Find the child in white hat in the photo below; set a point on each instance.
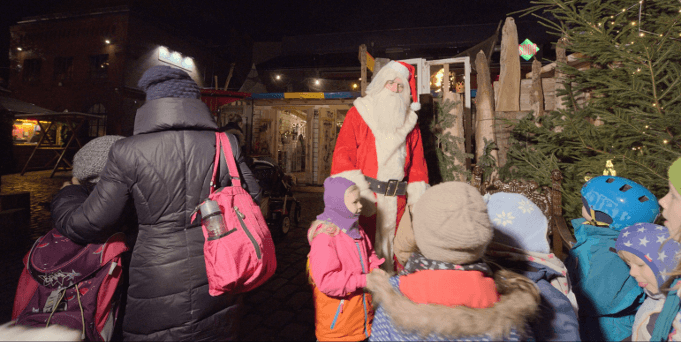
(521, 244)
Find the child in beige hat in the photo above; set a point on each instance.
(451, 231)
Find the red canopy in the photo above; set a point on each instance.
(215, 98)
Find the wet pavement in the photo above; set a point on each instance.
(279, 310)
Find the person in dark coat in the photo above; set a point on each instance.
(164, 169)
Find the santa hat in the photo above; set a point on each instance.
(407, 72)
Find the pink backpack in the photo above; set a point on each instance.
(242, 258)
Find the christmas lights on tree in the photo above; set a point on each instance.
(631, 118)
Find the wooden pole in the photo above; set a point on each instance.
(509, 76)
(229, 77)
(363, 62)
(537, 93)
(216, 82)
(445, 79)
(485, 109)
(457, 129)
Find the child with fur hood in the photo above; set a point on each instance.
(446, 291)
(340, 258)
(520, 243)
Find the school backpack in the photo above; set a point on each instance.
(242, 257)
(72, 285)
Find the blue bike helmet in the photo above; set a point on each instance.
(618, 202)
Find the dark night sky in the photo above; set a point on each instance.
(211, 20)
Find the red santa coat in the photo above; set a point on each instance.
(363, 149)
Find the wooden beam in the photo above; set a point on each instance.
(363, 63)
(229, 77)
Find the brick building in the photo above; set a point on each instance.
(91, 61)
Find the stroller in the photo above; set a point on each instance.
(279, 206)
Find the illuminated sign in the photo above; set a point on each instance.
(527, 49)
(175, 58)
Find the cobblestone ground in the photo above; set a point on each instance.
(279, 310)
(42, 188)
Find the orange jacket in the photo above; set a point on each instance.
(342, 319)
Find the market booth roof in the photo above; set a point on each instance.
(29, 111)
(17, 106)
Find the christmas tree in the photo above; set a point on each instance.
(622, 115)
(441, 148)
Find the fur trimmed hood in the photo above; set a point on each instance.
(518, 304)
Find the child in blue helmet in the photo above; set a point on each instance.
(650, 252)
(607, 295)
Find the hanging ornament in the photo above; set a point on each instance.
(609, 169)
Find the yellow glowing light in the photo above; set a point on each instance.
(316, 82)
(354, 86)
(641, 34)
(633, 23)
(609, 169)
(19, 49)
(646, 126)
(437, 78)
(665, 141)
(107, 41)
(654, 104)
(278, 77)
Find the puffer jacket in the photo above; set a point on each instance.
(608, 296)
(165, 170)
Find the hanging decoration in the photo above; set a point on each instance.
(609, 169)
(527, 49)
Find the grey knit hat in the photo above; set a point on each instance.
(89, 161)
(163, 81)
(451, 223)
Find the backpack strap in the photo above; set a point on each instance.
(223, 145)
(663, 324)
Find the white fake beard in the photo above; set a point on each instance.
(390, 109)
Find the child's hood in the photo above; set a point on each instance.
(335, 210)
(652, 244)
(519, 301)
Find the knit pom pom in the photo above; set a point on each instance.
(415, 106)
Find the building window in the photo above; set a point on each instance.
(97, 127)
(99, 66)
(63, 68)
(32, 70)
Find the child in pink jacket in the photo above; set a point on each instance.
(340, 257)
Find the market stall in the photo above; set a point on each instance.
(53, 131)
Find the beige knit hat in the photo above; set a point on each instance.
(451, 223)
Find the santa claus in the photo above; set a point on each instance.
(379, 148)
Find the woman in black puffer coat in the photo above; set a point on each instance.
(165, 170)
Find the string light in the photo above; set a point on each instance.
(665, 141)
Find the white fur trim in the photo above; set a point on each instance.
(415, 190)
(415, 106)
(386, 222)
(401, 69)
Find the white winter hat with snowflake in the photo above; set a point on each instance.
(451, 224)
(518, 222)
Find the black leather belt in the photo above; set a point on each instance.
(392, 187)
